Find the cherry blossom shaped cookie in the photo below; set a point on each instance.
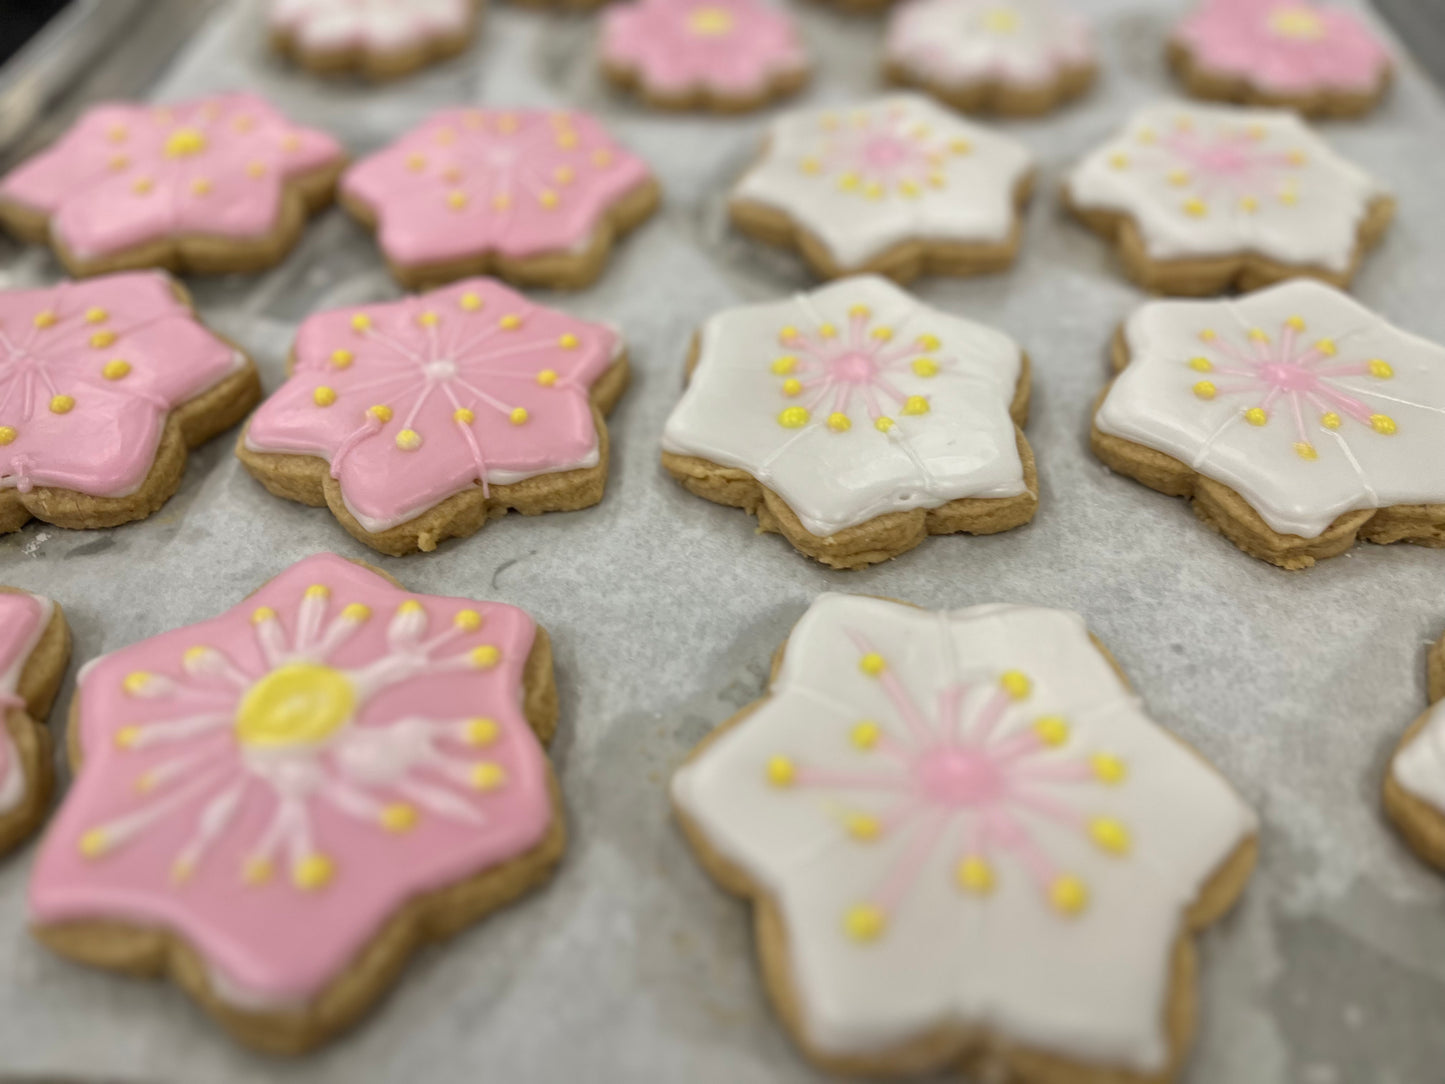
(535, 197)
(1014, 57)
(1201, 199)
(723, 55)
(1320, 59)
(899, 186)
(418, 420)
(34, 648)
(276, 807)
(1414, 788)
(380, 39)
(104, 386)
(207, 186)
(855, 421)
(1295, 419)
(967, 845)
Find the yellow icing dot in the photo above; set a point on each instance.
(1119, 160)
(488, 775)
(1178, 177)
(1256, 416)
(427, 319)
(547, 377)
(201, 186)
(116, 133)
(410, 606)
(501, 201)
(357, 612)
(1305, 450)
(1068, 894)
(883, 424)
(323, 396)
(872, 664)
(408, 440)
(135, 682)
(1016, 684)
(470, 302)
(848, 182)
(828, 331)
(1207, 335)
(1195, 207)
(102, 339)
(1382, 423)
(463, 415)
(908, 188)
(257, 871)
(564, 175)
(456, 199)
(1289, 197)
(381, 412)
(925, 367)
(859, 312)
(7, 434)
(318, 590)
(873, 190)
(601, 157)
(94, 843)
(96, 316)
(915, 404)
(1109, 835)
(62, 404)
(1051, 729)
(398, 817)
(865, 734)
(482, 731)
(1380, 370)
(568, 341)
(975, 875)
(342, 358)
(1107, 768)
(518, 416)
(510, 322)
(467, 620)
(839, 422)
(864, 922)
(863, 827)
(1327, 347)
(793, 417)
(927, 342)
(780, 771)
(256, 169)
(548, 198)
(1259, 335)
(485, 657)
(1296, 158)
(361, 322)
(1201, 365)
(784, 365)
(184, 142)
(262, 613)
(45, 318)
(566, 140)
(115, 369)
(1248, 203)
(1204, 389)
(960, 146)
(792, 386)
(141, 185)
(313, 872)
(126, 737)
(1330, 420)
(787, 334)
(1295, 323)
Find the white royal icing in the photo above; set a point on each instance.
(966, 820)
(12, 779)
(854, 401)
(893, 169)
(1298, 397)
(1419, 767)
(384, 25)
(958, 43)
(1209, 180)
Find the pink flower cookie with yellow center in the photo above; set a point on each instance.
(1318, 58)
(104, 386)
(212, 185)
(417, 420)
(726, 55)
(34, 648)
(380, 39)
(533, 196)
(967, 845)
(275, 807)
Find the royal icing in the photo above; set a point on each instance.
(1218, 180)
(731, 48)
(88, 373)
(125, 175)
(894, 169)
(1285, 46)
(854, 401)
(966, 820)
(959, 43)
(414, 401)
(385, 26)
(273, 784)
(469, 182)
(23, 619)
(1298, 397)
(1419, 766)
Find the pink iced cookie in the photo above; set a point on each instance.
(726, 55)
(104, 385)
(277, 805)
(1321, 60)
(381, 39)
(417, 420)
(34, 648)
(212, 185)
(536, 197)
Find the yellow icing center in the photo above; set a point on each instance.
(710, 22)
(298, 704)
(1000, 21)
(1298, 23)
(184, 142)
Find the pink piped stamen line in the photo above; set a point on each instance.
(897, 695)
(988, 718)
(1297, 411)
(1309, 358)
(950, 704)
(1047, 807)
(1011, 835)
(857, 326)
(1024, 744)
(1053, 773)
(870, 397)
(1351, 406)
(817, 777)
(368, 428)
(1233, 353)
(1285, 353)
(904, 872)
(887, 387)
(1348, 369)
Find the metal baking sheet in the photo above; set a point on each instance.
(664, 610)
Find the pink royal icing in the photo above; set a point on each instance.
(273, 784)
(22, 621)
(88, 372)
(1289, 46)
(733, 47)
(128, 174)
(469, 182)
(413, 401)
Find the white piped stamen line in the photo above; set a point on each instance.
(337, 633)
(215, 818)
(370, 426)
(309, 616)
(496, 404)
(147, 734)
(272, 640)
(440, 801)
(1359, 471)
(123, 829)
(471, 439)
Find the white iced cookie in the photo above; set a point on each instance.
(856, 420)
(898, 185)
(380, 38)
(1415, 780)
(1199, 199)
(1008, 56)
(1295, 417)
(967, 838)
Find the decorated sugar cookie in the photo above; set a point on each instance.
(275, 807)
(967, 845)
(855, 422)
(381, 39)
(1414, 787)
(1294, 418)
(898, 185)
(726, 55)
(1199, 199)
(417, 420)
(1318, 58)
(1016, 57)
(535, 197)
(34, 648)
(104, 386)
(206, 186)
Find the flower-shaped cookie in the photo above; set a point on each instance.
(280, 803)
(1415, 780)
(212, 185)
(856, 421)
(1198, 199)
(34, 648)
(415, 421)
(727, 55)
(381, 39)
(535, 197)
(1295, 418)
(1016, 57)
(898, 185)
(967, 841)
(1315, 58)
(104, 385)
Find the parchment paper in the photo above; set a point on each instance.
(664, 609)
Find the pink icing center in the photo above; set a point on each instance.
(960, 777)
